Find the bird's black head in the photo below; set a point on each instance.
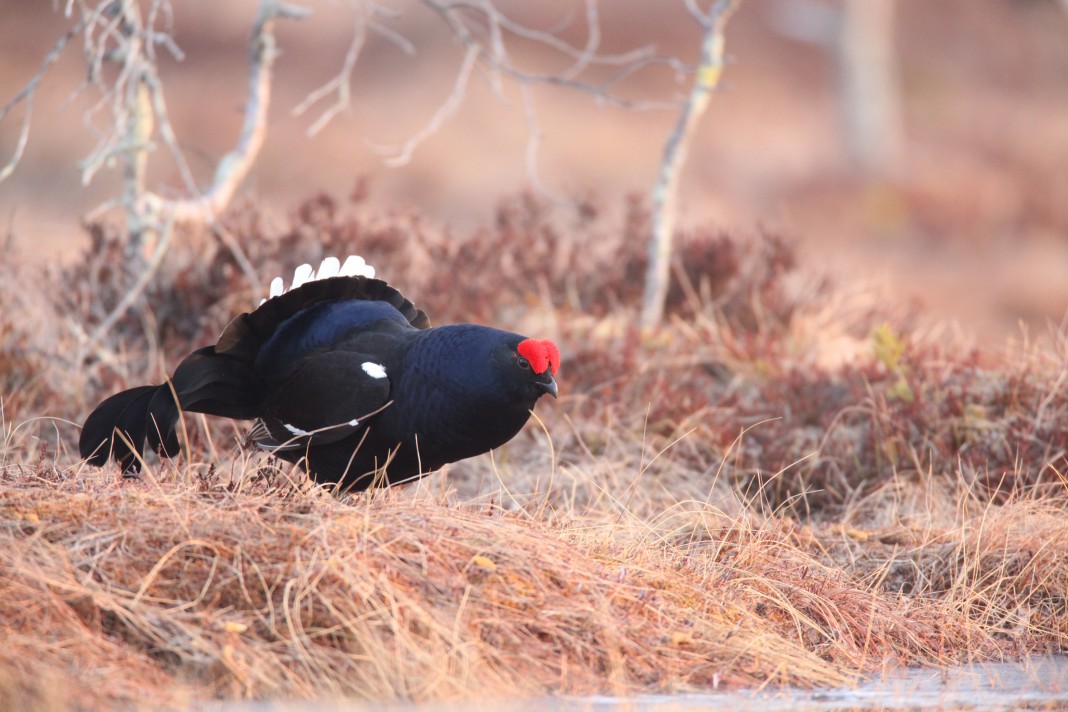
(534, 364)
(481, 369)
(520, 370)
(498, 369)
(466, 389)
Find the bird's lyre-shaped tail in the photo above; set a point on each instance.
(222, 379)
(205, 382)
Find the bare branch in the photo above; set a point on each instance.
(443, 114)
(533, 145)
(695, 11)
(26, 94)
(114, 32)
(164, 38)
(20, 145)
(235, 165)
(364, 14)
(227, 239)
(135, 103)
(483, 30)
(376, 13)
(132, 295)
(593, 41)
(166, 131)
(665, 192)
(118, 41)
(402, 42)
(586, 55)
(339, 84)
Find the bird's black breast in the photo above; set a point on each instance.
(454, 393)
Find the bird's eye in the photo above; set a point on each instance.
(523, 363)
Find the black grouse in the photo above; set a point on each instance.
(343, 375)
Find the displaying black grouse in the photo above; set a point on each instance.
(343, 375)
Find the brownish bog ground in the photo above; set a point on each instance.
(802, 479)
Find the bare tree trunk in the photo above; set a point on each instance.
(150, 218)
(665, 191)
(868, 84)
(139, 124)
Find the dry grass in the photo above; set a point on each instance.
(787, 486)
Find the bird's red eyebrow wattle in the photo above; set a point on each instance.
(543, 354)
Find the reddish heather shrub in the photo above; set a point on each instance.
(724, 374)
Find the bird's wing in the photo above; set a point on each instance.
(328, 397)
(246, 333)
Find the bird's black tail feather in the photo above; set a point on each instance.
(205, 382)
(127, 413)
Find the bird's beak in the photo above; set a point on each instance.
(550, 385)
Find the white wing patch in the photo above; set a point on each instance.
(295, 430)
(354, 266)
(261, 435)
(374, 370)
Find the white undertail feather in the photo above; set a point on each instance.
(354, 266)
(329, 268)
(277, 287)
(302, 274)
(295, 430)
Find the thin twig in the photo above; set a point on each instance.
(139, 286)
(482, 30)
(340, 84)
(365, 13)
(235, 165)
(444, 112)
(702, 19)
(253, 277)
(136, 102)
(166, 131)
(533, 144)
(26, 94)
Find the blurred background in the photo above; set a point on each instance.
(953, 196)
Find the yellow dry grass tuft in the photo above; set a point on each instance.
(245, 594)
(171, 592)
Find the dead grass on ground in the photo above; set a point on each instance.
(787, 485)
